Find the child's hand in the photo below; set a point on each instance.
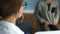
(46, 22)
(54, 23)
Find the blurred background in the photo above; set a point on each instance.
(29, 17)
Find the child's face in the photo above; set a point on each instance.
(48, 1)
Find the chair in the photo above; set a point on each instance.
(25, 27)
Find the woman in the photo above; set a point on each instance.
(47, 13)
(10, 11)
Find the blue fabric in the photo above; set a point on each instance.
(27, 33)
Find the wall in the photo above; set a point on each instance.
(31, 6)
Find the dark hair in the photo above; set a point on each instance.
(9, 7)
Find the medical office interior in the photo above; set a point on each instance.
(30, 24)
(28, 19)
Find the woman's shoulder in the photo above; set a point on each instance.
(7, 27)
(3, 30)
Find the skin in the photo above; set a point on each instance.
(48, 1)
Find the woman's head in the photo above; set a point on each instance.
(10, 8)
